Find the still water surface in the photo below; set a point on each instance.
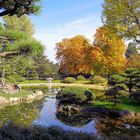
(44, 113)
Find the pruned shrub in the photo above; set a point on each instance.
(116, 79)
(69, 80)
(80, 78)
(121, 86)
(117, 91)
(98, 80)
(75, 95)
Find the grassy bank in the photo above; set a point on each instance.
(45, 85)
(126, 104)
(21, 94)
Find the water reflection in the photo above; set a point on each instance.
(22, 114)
(112, 127)
(44, 113)
(48, 117)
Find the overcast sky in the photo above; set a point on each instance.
(66, 18)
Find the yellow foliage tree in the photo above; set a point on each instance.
(108, 52)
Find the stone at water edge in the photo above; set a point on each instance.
(3, 100)
(39, 93)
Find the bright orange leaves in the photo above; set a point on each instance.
(71, 54)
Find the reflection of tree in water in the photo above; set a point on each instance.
(76, 120)
(21, 115)
(112, 127)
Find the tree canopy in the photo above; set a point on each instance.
(21, 55)
(108, 52)
(19, 7)
(21, 23)
(71, 54)
(123, 16)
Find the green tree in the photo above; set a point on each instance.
(123, 16)
(131, 50)
(22, 24)
(19, 7)
(17, 48)
(133, 77)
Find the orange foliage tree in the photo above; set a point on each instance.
(72, 55)
(108, 52)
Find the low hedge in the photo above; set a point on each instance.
(69, 80)
(75, 95)
(98, 80)
(80, 78)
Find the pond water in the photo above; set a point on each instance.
(44, 113)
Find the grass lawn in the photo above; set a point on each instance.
(22, 94)
(125, 105)
(33, 81)
(54, 81)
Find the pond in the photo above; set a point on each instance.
(44, 113)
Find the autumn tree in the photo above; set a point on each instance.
(19, 7)
(134, 61)
(123, 16)
(71, 54)
(108, 52)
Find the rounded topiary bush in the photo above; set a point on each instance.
(98, 80)
(116, 79)
(121, 86)
(75, 95)
(80, 78)
(69, 80)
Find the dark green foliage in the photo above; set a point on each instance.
(121, 86)
(130, 80)
(133, 78)
(75, 95)
(21, 42)
(136, 95)
(44, 67)
(69, 80)
(52, 133)
(20, 68)
(116, 79)
(19, 7)
(131, 50)
(41, 133)
(98, 80)
(112, 92)
(28, 63)
(80, 78)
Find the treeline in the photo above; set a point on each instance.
(107, 55)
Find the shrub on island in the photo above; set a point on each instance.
(75, 95)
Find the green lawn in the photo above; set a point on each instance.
(22, 94)
(54, 81)
(125, 105)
